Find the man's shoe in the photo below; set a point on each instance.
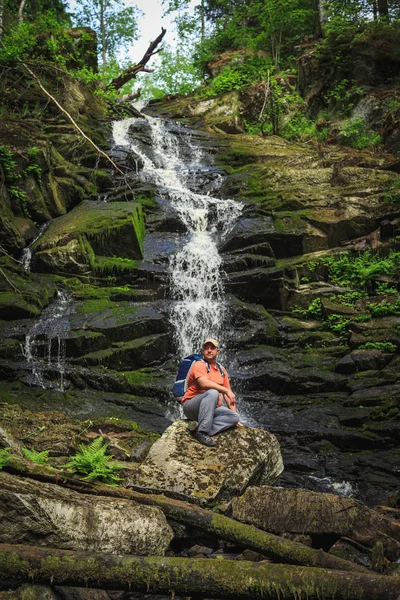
(203, 438)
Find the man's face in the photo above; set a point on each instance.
(210, 352)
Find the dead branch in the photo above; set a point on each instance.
(132, 71)
(10, 282)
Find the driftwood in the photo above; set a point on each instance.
(184, 576)
(248, 536)
(132, 71)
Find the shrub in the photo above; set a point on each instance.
(356, 134)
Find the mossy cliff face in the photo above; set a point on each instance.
(295, 341)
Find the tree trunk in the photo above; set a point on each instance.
(132, 71)
(185, 576)
(1, 17)
(21, 11)
(248, 536)
(383, 8)
(103, 34)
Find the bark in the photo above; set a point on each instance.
(321, 16)
(21, 11)
(133, 70)
(248, 536)
(184, 576)
(383, 8)
(1, 17)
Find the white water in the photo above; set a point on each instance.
(174, 165)
(49, 331)
(26, 256)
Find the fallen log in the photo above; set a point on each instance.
(184, 576)
(248, 536)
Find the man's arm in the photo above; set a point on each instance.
(229, 396)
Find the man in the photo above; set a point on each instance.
(202, 401)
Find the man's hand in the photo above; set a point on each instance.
(230, 399)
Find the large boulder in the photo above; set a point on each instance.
(48, 515)
(298, 511)
(95, 234)
(178, 465)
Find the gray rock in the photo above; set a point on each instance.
(177, 464)
(48, 515)
(280, 510)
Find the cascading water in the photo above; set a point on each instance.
(26, 257)
(44, 347)
(175, 165)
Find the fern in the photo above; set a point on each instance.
(4, 457)
(92, 461)
(40, 458)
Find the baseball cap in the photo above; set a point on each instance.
(211, 341)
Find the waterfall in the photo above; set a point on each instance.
(26, 256)
(177, 166)
(44, 347)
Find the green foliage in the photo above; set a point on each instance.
(40, 458)
(360, 269)
(338, 323)
(44, 39)
(385, 308)
(9, 165)
(244, 72)
(33, 166)
(355, 133)
(92, 461)
(384, 346)
(4, 457)
(344, 95)
(175, 73)
(114, 22)
(348, 299)
(314, 310)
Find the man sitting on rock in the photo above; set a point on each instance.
(202, 401)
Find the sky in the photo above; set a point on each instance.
(150, 25)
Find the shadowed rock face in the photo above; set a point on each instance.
(38, 513)
(179, 465)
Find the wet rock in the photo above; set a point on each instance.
(300, 511)
(178, 465)
(49, 515)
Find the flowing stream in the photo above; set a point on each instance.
(175, 163)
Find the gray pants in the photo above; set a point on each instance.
(210, 418)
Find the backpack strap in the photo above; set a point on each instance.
(221, 370)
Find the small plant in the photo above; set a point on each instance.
(4, 457)
(92, 461)
(356, 134)
(40, 458)
(338, 324)
(384, 346)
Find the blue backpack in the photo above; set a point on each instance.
(181, 381)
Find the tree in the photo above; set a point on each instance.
(175, 74)
(113, 22)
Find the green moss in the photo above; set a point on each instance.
(107, 264)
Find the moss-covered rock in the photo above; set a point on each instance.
(92, 228)
(179, 465)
